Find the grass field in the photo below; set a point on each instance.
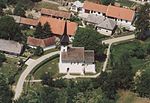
(125, 3)
(40, 5)
(50, 66)
(128, 47)
(129, 97)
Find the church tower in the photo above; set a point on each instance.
(64, 40)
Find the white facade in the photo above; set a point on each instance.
(74, 68)
(77, 6)
(104, 31)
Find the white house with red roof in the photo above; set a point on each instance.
(75, 60)
(123, 16)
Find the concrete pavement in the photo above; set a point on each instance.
(19, 87)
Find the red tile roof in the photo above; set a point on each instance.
(41, 42)
(120, 13)
(51, 12)
(95, 7)
(57, 25)
(28, 21)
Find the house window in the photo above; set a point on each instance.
(126, 21)
(98, 12)
(106, 31)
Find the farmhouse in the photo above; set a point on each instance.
(56, 25)
(34, 42)
(107, 27)
(123, 16)
(55, 14)
(75, 60)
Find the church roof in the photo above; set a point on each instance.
(78, 55)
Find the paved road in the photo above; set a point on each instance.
(106, 61)
(19, 87)
(118, 39)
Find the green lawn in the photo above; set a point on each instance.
(127, 47)
(40, 5)
(50, 66)
(45, 52)
(28, 32)
(125, 3)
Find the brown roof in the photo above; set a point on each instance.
(41, 42)
(57, 25)
(120, 13)
(28, 21)
(78, 55)
(95, 7)
(89, 56)
(51, 12)
(75, 54)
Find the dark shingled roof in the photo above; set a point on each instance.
(65, 37)
(89, 56)
(78, 55)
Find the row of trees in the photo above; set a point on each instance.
(42, 32)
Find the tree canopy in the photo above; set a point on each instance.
(9, 30)
(42, 32)
(142, 22)
(107, 2)
(143, 84)
(5, 92)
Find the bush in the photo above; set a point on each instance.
(38, 51)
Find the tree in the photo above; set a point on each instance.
(122, 73)
(9, 29)
(142, 22)
(38, 31)
(2, 58)
(47, 79)
(19, 10)
(46, 30)
(107, 2)
(39, 51)
(143, 84)
(90, 39)
(6, 94)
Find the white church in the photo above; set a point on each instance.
(75, 60)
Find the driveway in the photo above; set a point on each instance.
(19, 86)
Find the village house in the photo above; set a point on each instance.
(34, 42)
(75, 60)
(123, 16)
(107, 27)
(56, 25)
(55, 14)
(103, 25)
(93, 8)
(76, 6)
(11, 47)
